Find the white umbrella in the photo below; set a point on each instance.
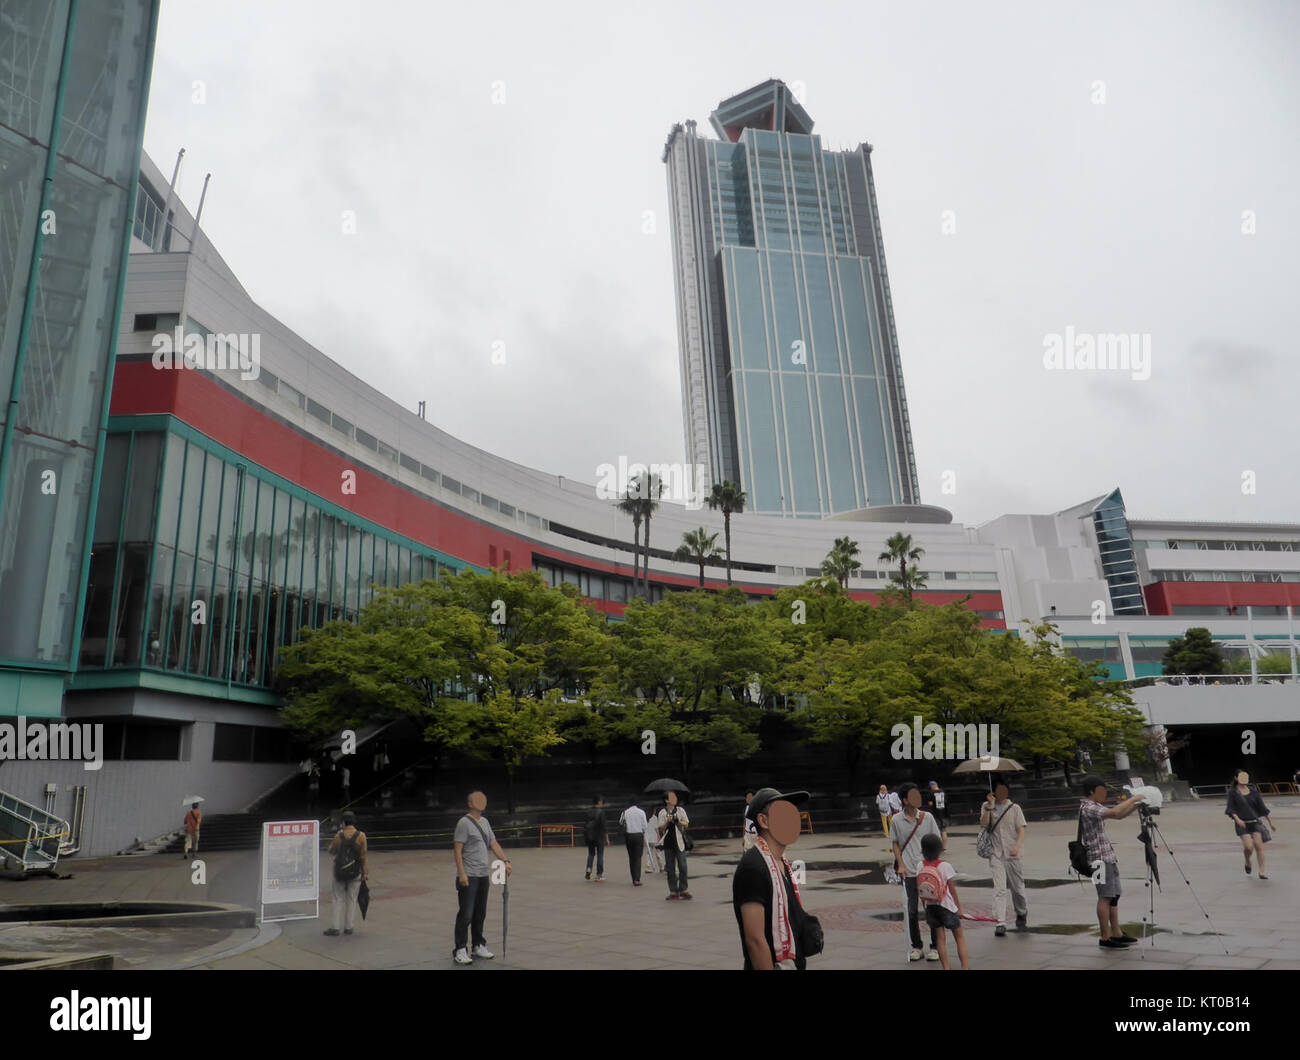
(190, 800)
(990, 765)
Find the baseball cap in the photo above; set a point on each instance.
(764, 797)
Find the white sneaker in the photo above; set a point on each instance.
(913, 955)
(463, 957)
(931, 955)
(484, 952)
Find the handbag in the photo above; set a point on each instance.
(984, 844)
(1079, 860)
(811, 939)
(1265, 832)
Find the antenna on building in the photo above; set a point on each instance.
(420, 411)
(203, 195)
(171, 188)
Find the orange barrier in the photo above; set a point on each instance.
(805, 819)
(543, 830)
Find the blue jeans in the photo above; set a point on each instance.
(675, 863)
(596, 852)
(471, 911)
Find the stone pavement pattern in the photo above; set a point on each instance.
(560, 921)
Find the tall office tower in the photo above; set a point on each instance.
(74, 78)
(791, 380)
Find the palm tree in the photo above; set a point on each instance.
(631, 505)
(841, 561)
(698, 546)
(649, 490)
(728, 497)
(899, 549)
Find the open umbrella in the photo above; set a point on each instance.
(190, 800)
(990, 765)
(666, 784)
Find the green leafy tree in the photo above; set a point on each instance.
(842, 561)
(688, 664)
(1193, 653)
(726, 497)
(698, 546)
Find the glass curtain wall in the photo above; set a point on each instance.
(72, 85)
(204, 567)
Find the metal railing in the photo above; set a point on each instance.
(29, 836)
(1205, 680)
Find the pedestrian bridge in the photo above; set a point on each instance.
(1211, 704)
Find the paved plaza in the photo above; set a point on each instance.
(560, 921)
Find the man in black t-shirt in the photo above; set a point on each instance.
(770, 921)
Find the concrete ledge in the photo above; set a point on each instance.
(131, 914)
(63, 962)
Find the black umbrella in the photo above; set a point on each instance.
(363, 899)
(666, 784)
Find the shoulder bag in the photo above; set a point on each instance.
(1079, 860)
(984, 844)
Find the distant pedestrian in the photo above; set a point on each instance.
(937, 888)
(593, 831)
(936, 801)
(348, 848)
(750, 833)
(887, 804)
(473, 845)
(671, 824)
(764, 895)
(193, 819)
(634, 823)
(1006, 821)
(906, 832)
(654, 851)
(1251, 818)
(1093, 815)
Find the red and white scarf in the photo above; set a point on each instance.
(783, 940)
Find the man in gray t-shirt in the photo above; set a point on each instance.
(906, 831)
(473, 845)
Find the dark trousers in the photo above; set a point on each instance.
(675, 863)
(635, 852)
(915, 916)
(596, 853)
(473, 909)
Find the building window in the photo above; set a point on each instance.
(366, 439)
(409, 463)
(340, 424)
(318, 410)
(430, 473)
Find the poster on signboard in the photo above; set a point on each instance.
(290, 862)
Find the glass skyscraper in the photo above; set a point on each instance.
(74, 78)
(791, 381)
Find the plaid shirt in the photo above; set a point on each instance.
(1094, 831)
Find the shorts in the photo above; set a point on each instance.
(1111, 888)
(1248, 827)
(940, 917)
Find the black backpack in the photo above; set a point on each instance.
(347, 859)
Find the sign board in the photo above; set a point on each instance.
(290, 866)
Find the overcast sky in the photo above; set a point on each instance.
(502, 161)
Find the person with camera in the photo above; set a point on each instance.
(775, 931)
(1005, 821)
(671, 824)
(1250, 817)
(1093, 815)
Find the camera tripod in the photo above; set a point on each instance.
(1149, 836)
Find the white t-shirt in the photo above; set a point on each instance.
(634, 820)
(948, 873)
(900, 832)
